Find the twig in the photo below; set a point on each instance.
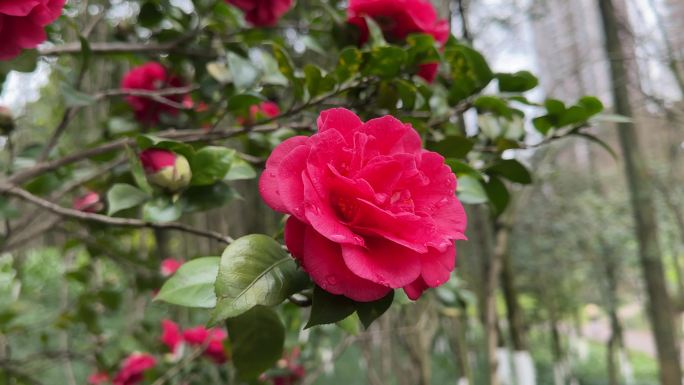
(183, 136)
(114, 48)
(173, 371)
(149, 93)
(113, 221)
(68, 187)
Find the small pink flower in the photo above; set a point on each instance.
(98, 378)
(371, 210)
(89, 203)
(22, 24)
(166, 169)
(171, 335)
(150, 77)
(262, 13)
(133, 369)
(398, 19)
(213, 338)
(295, 371)
(260, 111)
(170, 266)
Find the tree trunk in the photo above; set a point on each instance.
(660, 308)
(490, 278)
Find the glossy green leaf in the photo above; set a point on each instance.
(328, 308)
(461, 168)
(470, 190)
(592, 104)
(240, 170)
(255, 270)
(162, 209)
(498, 194)
(124, 196)
(453, 146)
(211, 164)
(385, 62)
(469, 71)
(348, 64)
(257, 338)
(242, 70)
(370, 311)
(512, 170)
(517, 82)
(202, 198)
(192, 285)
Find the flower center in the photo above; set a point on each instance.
(345, 207)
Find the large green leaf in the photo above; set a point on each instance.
(520, 81)
(469, 71)
(257, 338)
(370, 311)
(243, 72)
(470, 190)
(240, 170)
(210, 164)
(512, 170)
(193, 284)
(124, 196)
(386, 62)
(255, 270)
(329, 308)
(453, 147)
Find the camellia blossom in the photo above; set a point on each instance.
(213, 338)
(22, 24)
(89, 203)
(290, 364)
(169, 266)
(262, 13)
(398, 19)
(151, 77)
(166, 169)
(133, 369)
(260, 111)
(98, 378)
(371, 210)
(171, 335)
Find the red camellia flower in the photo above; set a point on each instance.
(260, 111)
(398, 19)
(262, 13)
(171, 335)
(22, 24)
(213, 338)
(370, 209)
(89, 203)
(133, 369)
(294, 370)
(150, 77)
(166, 169)
(98, 378)
(170, 266)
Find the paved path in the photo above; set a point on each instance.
(598, 330)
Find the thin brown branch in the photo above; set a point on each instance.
(104, 48)
(112, 221)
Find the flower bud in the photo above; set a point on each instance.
(88, 203)
(166, 169)
(6, 120)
